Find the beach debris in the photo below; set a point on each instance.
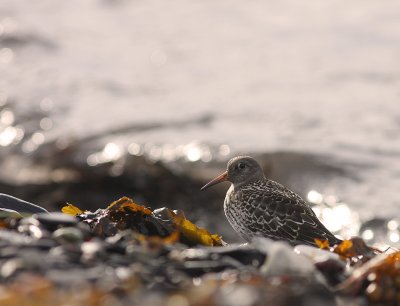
(125, 214)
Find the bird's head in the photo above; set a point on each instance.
(241, 170)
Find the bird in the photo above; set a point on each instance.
(256, 206)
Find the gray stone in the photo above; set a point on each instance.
(18, 205)
(55, 219)
(68, 234)
(9, 213)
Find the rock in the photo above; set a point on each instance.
(18, 205)
(328, 263)
(10, 267)
(54, 220)
(199, 268)
(7, 213)
(68, 234)
(14, 238)
(240, 296)
(246, 255)
(316, 255)
(196, 262)
(281, 259)
(93, 250)
(333, 270)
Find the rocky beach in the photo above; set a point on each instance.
(127, 254)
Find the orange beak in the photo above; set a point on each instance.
(220, 178)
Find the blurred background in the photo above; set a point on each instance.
(149, 99)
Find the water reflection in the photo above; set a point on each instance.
(33, 143)
(111, 152)
(196, 151)
(342, 221)
(37, 138)
(394, 236)
(29, 147)
(135, 149)
(381, 232)
(314, 197)
(368, 234)
(29, 130)
(192, 152)
(335, 215)
(224, 150)
(46, 104)
(169, 152)
(46, 124)
(7, 117)
(154, 153)
(7, 136)
(393, 225)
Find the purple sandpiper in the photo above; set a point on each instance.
(257, 206)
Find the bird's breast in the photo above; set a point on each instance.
(236, 212)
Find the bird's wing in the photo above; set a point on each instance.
(282, 214)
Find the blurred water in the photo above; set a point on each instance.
(91, 82)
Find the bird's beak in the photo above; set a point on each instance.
(220, 178)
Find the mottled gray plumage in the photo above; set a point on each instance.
(256, 206)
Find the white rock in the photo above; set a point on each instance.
(281, 260)
(315, 254)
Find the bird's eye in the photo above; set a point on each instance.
(241, 165)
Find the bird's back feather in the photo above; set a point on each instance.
(267, 208)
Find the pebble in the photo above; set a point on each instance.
(68, 234)
(282, 260)
(54, 220)
(9, 213)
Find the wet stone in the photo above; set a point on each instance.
(333, 270)
(199, 268)
(14, 238)
(236, 254)
(21, 206)
(29, 221)
(54, 220)
(7, 252)
(66, 254)
(10, 267)
(44, 244)
(93, 250)
(37, 232)
(9, 213)
(68, 234)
